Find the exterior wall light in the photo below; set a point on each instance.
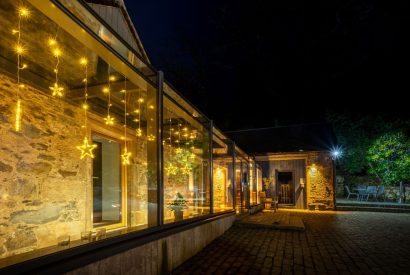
(336, 153)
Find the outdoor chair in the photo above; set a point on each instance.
(380, 192)
(350, 193)
(371, 190)
(363, 195)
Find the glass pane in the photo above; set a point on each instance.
(239, 187)
(98, 28)
(107, 183)
(223, 176)
(186, 165)
(64, 178)
(259, 183)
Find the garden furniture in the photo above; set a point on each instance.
(371, 190)
(351, 193)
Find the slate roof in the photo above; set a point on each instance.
(308, 137)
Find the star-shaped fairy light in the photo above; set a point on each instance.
(109, 120)
(151, 137)
(126, 157)
(186, 169)
(171, 169)
(178, 151)
(57, 90)
(139, 132)
(86, 149)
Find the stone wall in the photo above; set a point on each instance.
(163, 255)
(45, 187)
(42, 179)
(320, 181)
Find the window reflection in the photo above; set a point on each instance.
(107, 183)
(186, 170)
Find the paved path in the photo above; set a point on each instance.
(273, 220)
(333, 243)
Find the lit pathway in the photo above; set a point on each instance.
(274, 220)
(333, 242)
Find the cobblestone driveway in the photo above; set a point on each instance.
(333, 242)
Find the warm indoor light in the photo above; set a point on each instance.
(83, 61)
(139, 132)
(19, 49)
(112, 78)
(140, 100)
(56, 52)
(24, 12)
(52, 42)
(17, 124)
(106, 90)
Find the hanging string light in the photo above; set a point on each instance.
(56, 89)
(171, 169)
(138, 111)
(126, 155)
(109, 120)
(186, 166)
(178, 141)
(86, 148)
(23, 12)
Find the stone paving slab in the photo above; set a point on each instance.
(334, 242)
(281, 219)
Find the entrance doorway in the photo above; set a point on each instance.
(285, 187)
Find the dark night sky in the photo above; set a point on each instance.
(258, 64)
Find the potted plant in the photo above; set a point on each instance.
(178, 206)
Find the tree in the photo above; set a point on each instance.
(389, 158)
(357, 133)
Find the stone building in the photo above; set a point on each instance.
(296, 163)
(103, 164)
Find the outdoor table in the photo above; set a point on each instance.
(361, 191)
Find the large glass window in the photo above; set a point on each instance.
(78, 160)
(252, 183)
(223, 176)
(186, 151)
(259, 182)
